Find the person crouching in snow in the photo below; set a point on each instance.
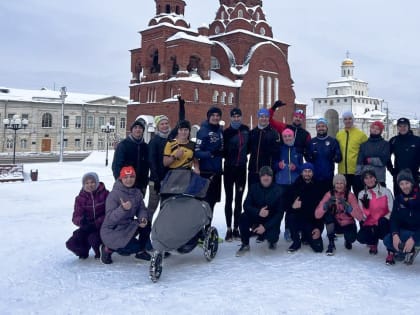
(376, 203)
(338, 208)
(88, 215)
(126, 217)
(404, 239)
(262, 212)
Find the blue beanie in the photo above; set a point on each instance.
(263, 112)
(321, 120)
(307, 166)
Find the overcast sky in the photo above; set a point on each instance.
(84, 44)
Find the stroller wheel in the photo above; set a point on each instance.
(155, 266)
(211, 243)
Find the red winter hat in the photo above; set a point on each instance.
(378, 124)
(127, 171)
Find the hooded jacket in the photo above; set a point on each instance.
(121, 225)
(380, 204)
(209, 148)
(406, 214)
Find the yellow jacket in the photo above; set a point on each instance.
(350, 141)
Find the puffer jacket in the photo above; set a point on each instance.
(89, 207)
(288, 154)
(342, 218)
(121, 225)
(381, 202)
(406, 214)
(350, 141)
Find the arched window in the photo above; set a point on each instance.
(230, 98)
(195, 95)
(240, 13)
(336, 92)
(261, 94)
(269, 91)
(223, 15)
(177, 10)
(168, 8)
(215, 96)
(46, 120)
(215, 64)
(223, 98)
(257, 16)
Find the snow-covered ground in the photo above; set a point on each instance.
(40, 276)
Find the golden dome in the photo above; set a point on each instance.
(347, 62)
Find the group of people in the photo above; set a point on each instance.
(287, 173)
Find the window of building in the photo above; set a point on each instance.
(240, 13)
(336, 92)
(9, 144)
(345, 100)
(230, 98)
(331, 102)
(261, 91)
(90, 122)
(196, 96)
(46, 120)
(262, 31)
(223, 98)
(65, 143)
(325, 101)
(257, 16)
(168, 8)
(101, 122)
(25, 116)
(215, 64)
(269, 91)
(101, 144)
(123, 123)
(66, 121)
(112, 121)
(78, 123)
(89, 143)
(215, 96)
(23, 143)
(338, 100)
(77, 143)
(276, 89)
(10, 116)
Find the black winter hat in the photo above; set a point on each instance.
(184, 124)
(235, 111)
(405, 174)
(138, 122)
(403, 121)
(214, 110)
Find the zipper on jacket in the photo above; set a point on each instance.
(240, 147)
(346, 150)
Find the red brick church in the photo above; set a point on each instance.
(234, 62)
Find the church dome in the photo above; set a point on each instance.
(347, 62)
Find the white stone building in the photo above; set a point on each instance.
(348, 94)
(84, 115)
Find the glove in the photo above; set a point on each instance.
(181, 100)
(346, 206)
(156, 186)
(330, 205)
(366, 160)
(277, 104)
(365, 201)
(281, 165)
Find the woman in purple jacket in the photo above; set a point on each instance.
(88, 215)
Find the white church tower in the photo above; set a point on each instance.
(346, 94)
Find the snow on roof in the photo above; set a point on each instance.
(248, 33)
(373, 114)
(215, 78)
(342, 84)
(172, 16)
(228, 51)
(256, 46)
(170, 25)
(183, 35)
(346, 80)
(49, 96)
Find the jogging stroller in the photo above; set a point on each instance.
(183, 219)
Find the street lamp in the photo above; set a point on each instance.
(108, 128)
(63, 96)
(15, 124)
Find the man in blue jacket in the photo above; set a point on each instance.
(209, 151)
(323, 152)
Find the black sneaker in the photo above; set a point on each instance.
(409, 257)
(106, 255)
(272, 245)
(236, 234)
(143, 256)
(260, 239)
(348, 245)
(242, 250)
(330, 250)
(229, 235)
(294, 247)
